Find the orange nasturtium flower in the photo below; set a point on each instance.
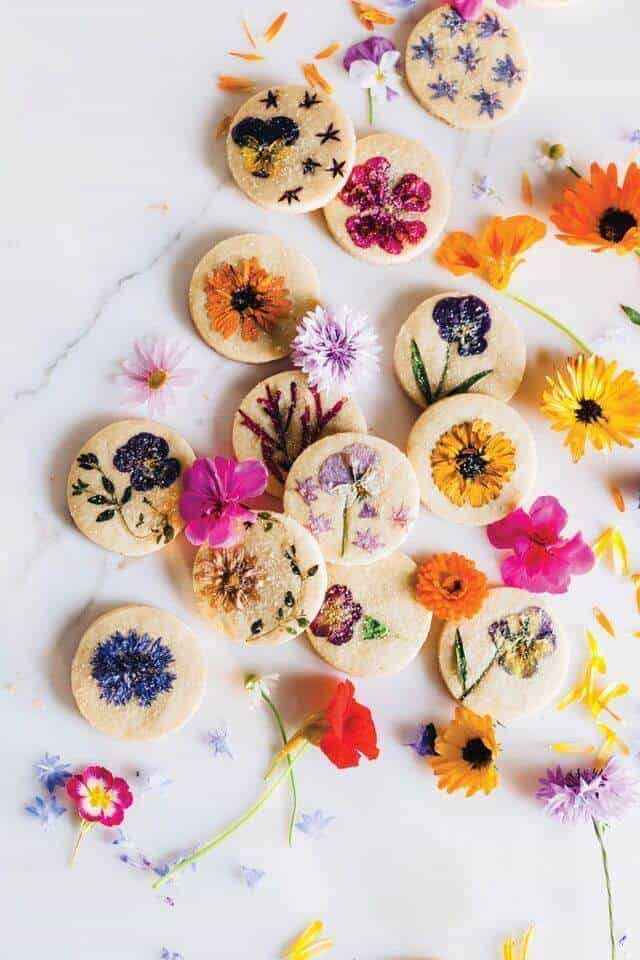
(496, 253)
(598, 213)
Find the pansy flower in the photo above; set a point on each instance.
(145, 457)
(463, 321)
(523, 639)
(337, 616)
(99, 798)
(372, 64)
(355, 474)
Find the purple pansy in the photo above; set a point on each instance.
(145, 457)
(337, 616)
(354, 470)
(463, 321)
(380, 52)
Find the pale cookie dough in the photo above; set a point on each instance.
(290, 148)
(138, 673)
(358, 495)
(474, 457)
(282, 416)
(458, 343)
(516, 655)
(370, 622)
(265, 589)
(248, 294)
(125, 484)
(395, 203)
(467, 73)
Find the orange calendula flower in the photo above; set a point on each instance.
(315, 79)
(235, 84)
(369, 16)
(274, 28)
(451, 586)
(496, 253)
(598, 213)
(466, 752)
(244, 295)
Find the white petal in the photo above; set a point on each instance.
(364, 72)
(388, 61)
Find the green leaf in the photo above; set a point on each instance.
(461, 661)
(468, 383)
(302, 622)
(87, 461)
(634, 315)
(108, 485)
(98, 500)
(280, 613)
(289, 599)
(292, 631)
(373, 629)
(264, 515)
(311, 572)
(126, 496)
(78, 487)
(105, 515)
(168, 533)
(420, 373)
(256, 626)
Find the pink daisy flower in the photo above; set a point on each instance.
(153, 373)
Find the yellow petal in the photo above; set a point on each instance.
(526, 940)
(572, 748)
(611, 739)
(601, 545)
(620, 553)
(274, 28)
(327, 51)
(604, 621)
(302, 943)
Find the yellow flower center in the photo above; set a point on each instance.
(98, 797)
(556, 151)
(157, 379)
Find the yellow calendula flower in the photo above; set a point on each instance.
(466, 751)
(517, 949)
(307, 944)
(470, 464)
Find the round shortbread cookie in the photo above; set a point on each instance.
(282, 416)
(265, 589)
(138, 674)
(357, 494)
(458, 343)
(467, 73)
(514, 651)
(370, 622)
(395, 203)
(125, 484)
(290, 148)
(248, 294)
(474, 457)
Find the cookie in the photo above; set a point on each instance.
(290, 148)
(508, 661)
(265, 589)
(470, 74)
(125, 484)
(370, 623)
(474, 457)
(358, 495)
(282, 416)
(394, 204)
(458, 343)
(247, 295)
(138, 673)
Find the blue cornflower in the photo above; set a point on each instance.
(129, 852)
(426, 50)
(51, 772)
(132, 665)
(489, 101)
(251, 876)
(424, 744)
(46, 811)
(170, 955)
(443, 88)
(490, 26)
(401, 4)
(634, 136)
(217, 740)
(469, 57)
(453, 22)
(505, 71)
(314, 824)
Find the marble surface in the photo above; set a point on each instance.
(113, 187)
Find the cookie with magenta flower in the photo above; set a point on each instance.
(394, 204)
(124, 486)
(247, 295)
(508, 660)
(370, 623)
(138, 674)
(358, 496)
(458, 343)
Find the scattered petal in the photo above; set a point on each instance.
(635, 579)
(249, 33)
(314, 824)
(327, 52)
(611, 740)
(245, 56)
(46, 811)
(527, 191)
(618, 499)
(307, 945)
(315, 78)
(154, 779)
(274, 28)
(223, 127)
(369, 15)
(235, 84)
(522, 946)
(170, 955)
(604, 621)
(217, 741)
(251, 876)
(51, 772)
(613, 543)
(572, 748)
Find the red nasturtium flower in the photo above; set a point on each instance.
(351, 731)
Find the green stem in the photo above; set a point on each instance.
(574, 172)
(445, 368)
(372, 108)
(597, 826)
(220, 837)
(477, 682)
(556, 323)
(294, 790)
(345, 527)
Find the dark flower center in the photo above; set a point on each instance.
(615, 223)
(245, 298)
(476, 753)
(471, 464)
(588, 411)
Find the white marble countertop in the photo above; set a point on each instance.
(114, 185)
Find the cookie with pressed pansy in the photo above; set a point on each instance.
(138, 674)
(124, 486)
(247, 295)
(394, 204)
(458, 343)
(290, 148)
(474, 457)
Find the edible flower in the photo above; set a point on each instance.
(337, 349)
(598, 213)
(372, 64)
(450, 586)
(465, 754)
(211, 502)
(369, 15)
(153, 372)
(99, 798)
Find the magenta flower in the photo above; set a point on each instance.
(154, 372)
(381, 206)
(470, 9)
(211, 499)
(542, 561)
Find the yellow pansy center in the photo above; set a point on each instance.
(157, 379)
(99, 798)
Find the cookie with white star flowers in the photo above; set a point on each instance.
(138, 674)
(458, 343)
(265, 589)
(282, 416)
(248, 294)
(474, 457)
(394, 204)
(124, 486)
(290, 148)
(470, 74)
(370, 623)
(358, 495)
(510, 660)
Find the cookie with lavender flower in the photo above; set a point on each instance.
(266, 588)
(358, 495)
(285, 414)
(247, 295)
(394, 204)
(138, 674)
(458, 343)
(370, 623)
(470, 74)
(509, 660)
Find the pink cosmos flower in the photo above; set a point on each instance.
(211, 499)
(542, 561)
(154, 372)
(99, 796)
(470, 9)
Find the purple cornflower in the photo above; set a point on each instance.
(578, 796)
(443, 88)
(336, 349)
(489, 102)
(469, 57)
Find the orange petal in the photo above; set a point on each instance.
(249, 33)
(274, 28)
(527, 191)
(604, 621)
(315, 78)
(369, 15)
(327, 51)
(618, 499)
(459, 253)
(235, 84)
(245, 56)
(223, 127)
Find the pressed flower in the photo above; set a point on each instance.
(337, 349)
(604, 621)
(154, 371)
(315, 79)
(526, 189)
(470, 464)
(466, 752)
(46, 810)
(132, 666)
(275, 27)
(228, 579)
(251, 876)
(451, 586)
(338, 615)
(99, 798)
(550, 155)
(372, 64)
(212, 499)
(355, 474)
(245, 296)
(612, 542)
(308, 945)
(598, 213)
(327, 52)
(217, 741)
(370, 16)
(517, 949)
(235, 84)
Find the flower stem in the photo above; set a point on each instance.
(292, 777)
(574, 171)
(372, 108)
(345, 527)
(85, 826)
(228, 831)
(597, 826)
(477, 682)
(556, 323)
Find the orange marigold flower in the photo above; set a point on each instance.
(369, 16)
(597, 213)
(495, 254)
(245, 295)
(451, 586)
(466, 753)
